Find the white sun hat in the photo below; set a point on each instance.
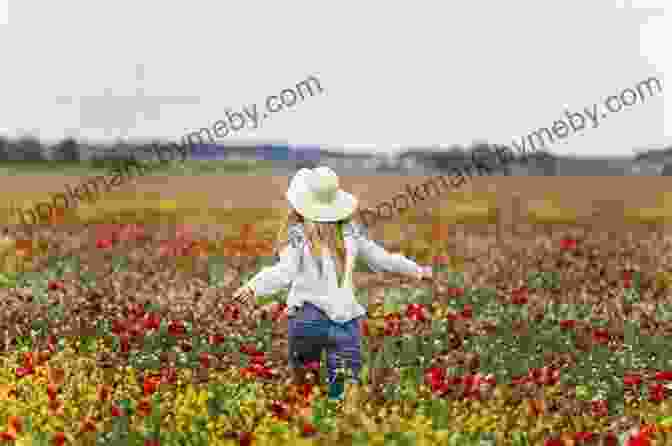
(315, 194)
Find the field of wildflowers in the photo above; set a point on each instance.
(125, 332)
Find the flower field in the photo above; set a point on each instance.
(125, 332)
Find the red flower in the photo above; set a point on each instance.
(58, 439)
(136, 329)
(435, 377)
(245, 438)
(657, 392)
(152, 321)
(131, 232)
(455, 292)
(308, 429)
(435, 373)
(15, 425)
(554, 442)
(231, 312)
(108, 231)
(416, 312)
(52, 390)
(175, 248)
(627, 276)
(467, 311)
(567, 323)
(204, 359)
(610, 439)
(471, 380)
(631, 380)
(259, 359)
(392, 325)
(149, 442)
(249, 349)
(472, 384)
(135, 310)
(640, 439)
(520, 380)
(567, 244)
(600, 408)
(648, 429)
(453, 316)
(23, 371)
(125, 342)
(56, 285)
(441, 260)
(8, 436)
(103, 243)
(306, 390)
(116, 411)
(51, 343)
(280, 410)
(144, 407)
(216, 339)
(258, 370)
(583, 436)
(545, 376)
(664, 376)
(176, 328)
(119, 326)
(601, 335)
(150, 384)
(28, 360)
(519, 296)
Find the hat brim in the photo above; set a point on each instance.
(343, 206)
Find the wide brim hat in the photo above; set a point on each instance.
(316, 195)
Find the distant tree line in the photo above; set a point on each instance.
(456, 156)
(30, 149)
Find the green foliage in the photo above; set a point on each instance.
(227, 398)
(548, 280)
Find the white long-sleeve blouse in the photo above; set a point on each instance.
(297, 267)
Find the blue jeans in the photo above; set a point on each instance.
(311, 331)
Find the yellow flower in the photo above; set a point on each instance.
(167, 205)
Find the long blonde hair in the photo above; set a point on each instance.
(319, 235)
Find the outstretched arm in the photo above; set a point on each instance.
(276, 277)
(380, 260)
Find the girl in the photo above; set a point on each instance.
(317, 247)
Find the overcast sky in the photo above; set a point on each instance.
(395, 74)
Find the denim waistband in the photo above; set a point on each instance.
(311, 311)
